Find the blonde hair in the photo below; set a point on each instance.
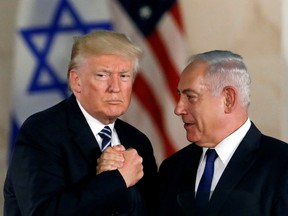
(103, 42)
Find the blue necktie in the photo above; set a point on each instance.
(105, 134)
(204, 188)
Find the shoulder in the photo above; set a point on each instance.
(46, 116)
(131, 137)
(48, 125)
(54, 114)
(274, 147)
(124, 127)
(184, 155)
(50, 129)
(267, 145)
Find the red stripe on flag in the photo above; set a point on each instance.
(168, 69)
(146, 97)
(175, 12)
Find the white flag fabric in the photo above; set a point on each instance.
(45, 31)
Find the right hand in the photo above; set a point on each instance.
(132, 169)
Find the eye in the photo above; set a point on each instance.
(102, 75)
(125, 76)
(192, 98)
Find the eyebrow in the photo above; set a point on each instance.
(187, 91)
(102, 69)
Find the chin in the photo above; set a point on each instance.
(115, 115)
(192, 137)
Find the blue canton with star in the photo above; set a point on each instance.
(146, 13)
(50, 31)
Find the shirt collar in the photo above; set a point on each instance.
(95, 125)
(227, 147)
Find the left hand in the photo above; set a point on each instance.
(111, 159)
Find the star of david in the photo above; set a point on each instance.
(43, 68)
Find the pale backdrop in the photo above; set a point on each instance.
(256, 29)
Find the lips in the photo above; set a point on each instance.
(115, 102)
(188, 125)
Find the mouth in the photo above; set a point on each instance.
(188, 125)
(114, 102)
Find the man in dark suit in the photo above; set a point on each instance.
(54, 168)
(248, 175)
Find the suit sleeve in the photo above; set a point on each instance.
(281, 204)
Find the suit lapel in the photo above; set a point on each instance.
(237, 167)
(188, 178)
(192, 166)
(82, 134)
(122, 130)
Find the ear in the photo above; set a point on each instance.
(229, 93)
(75, 81)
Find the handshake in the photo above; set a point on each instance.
(128, 162)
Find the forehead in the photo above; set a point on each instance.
(192, 75)
(109, 57)
(108, 61)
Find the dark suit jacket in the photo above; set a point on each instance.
(53, 169)
(254, 183)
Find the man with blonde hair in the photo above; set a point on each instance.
(55, 166)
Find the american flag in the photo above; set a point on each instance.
(156, 25)
(42, 48)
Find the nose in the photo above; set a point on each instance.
(114, 85)
(180, 108)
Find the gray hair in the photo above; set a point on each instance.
(226, 69)
(104, 42)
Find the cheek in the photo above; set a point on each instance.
(96, 87)
(213, 119)
(127, 90)
(205, 116)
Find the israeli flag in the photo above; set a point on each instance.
(44, 37)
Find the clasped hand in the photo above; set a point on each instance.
(128, 162)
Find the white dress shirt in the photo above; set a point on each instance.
(225, 149)
(96, 126)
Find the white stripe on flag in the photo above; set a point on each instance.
(174, 40)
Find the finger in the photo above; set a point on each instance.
(111, 155)
(110, 162)
(106, 165)
(119, 147)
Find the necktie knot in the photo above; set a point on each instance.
(211, 155)
(105, 134)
